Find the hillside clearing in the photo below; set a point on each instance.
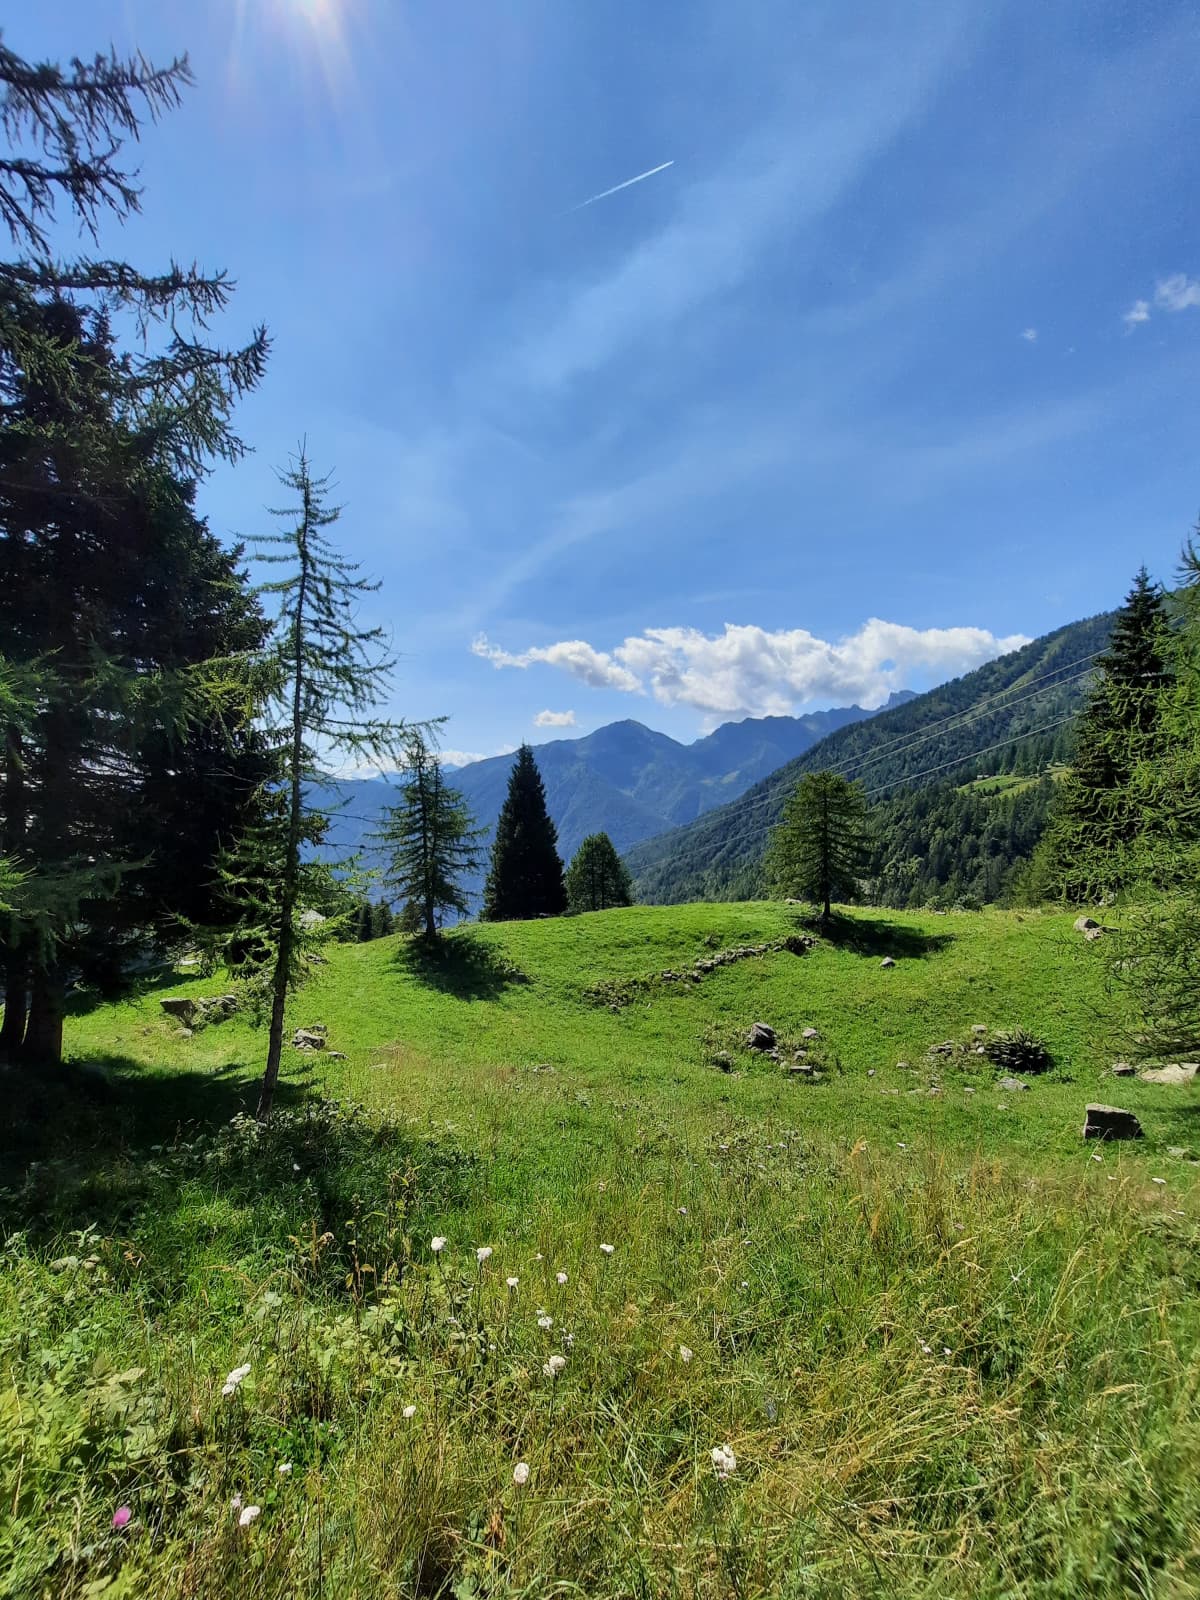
(949, 1351)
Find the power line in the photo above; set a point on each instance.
(974, 755)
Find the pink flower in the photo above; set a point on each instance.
(121, 1517)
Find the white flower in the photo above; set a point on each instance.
(521, 1474)
(945, 1349)
(607, 1249)
(926, 1349)
(724, 1461)
(1096, 1156)
(1158, 1180)
(512, 1282)
(554, 1366)
(284, 1469)
(539, 1256)
(483, 1253)
(295, 1166)
(248, 1515)
(683, 1211)
(234, 1380)
(545, 1322)
(560, 1278)
(409, 1413)
(685, 1355)
(236, 1503)
(437, 1244)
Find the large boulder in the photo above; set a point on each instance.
(761, 1037)
(1110, 1122)
(1085, 924)
(309, 1038)
(217, 1007)
(1177, 1072)
(1011, 1085)
(181, 1007)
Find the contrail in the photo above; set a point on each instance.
(617, 187)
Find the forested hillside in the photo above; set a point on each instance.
(1013, 715)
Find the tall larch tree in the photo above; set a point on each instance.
(597, 878)
(1085, 854)
(820, 848)
(526, 876)
(430, 839)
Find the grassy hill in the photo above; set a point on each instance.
(1011, 715)
(951, 1353)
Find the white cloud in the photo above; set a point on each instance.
(749, 671)
(1139, 311)
(1176, 293)
(554, 719)
(596, 668)
(461, 758)
(1029, 335)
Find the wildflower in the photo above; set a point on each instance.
(437, 1244)
(560, 1278)
(521, 1474)
(724, 1461)
(512, 1282)
(683, 1211)
(295, 1166)
(607, 1249)
(926, 1349)
(554, 1366)
(539, 1256)
(568, 1340)
(234, 1380)
(409, 1413)
(121, 1517)
(544, 1321)
(602, 1186)
(685, 1355)
(236, 1503)
(248, 1515)
(1096, 1156)
(1158, 1180)
(483, 1253)
(284, 1469)
(945, 1349)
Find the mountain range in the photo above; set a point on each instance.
(624, 779)
(1014, 714)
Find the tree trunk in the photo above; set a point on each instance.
(266, 1095)
(16, 1004)
(44, 1028)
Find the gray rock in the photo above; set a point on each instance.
(761, 1037)
(1011, 1085)
(811, 1033)
(887, 962)
(979, 1027)
(308, 1039)
(1179, 1152)
(1123, 1069)
(181, 1007)
(1110, 1122)
(1178, 1072)
(1091, 934)
(1084, 924)
(218, 1007)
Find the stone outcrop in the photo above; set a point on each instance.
(1110, 1122)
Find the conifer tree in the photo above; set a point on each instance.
(820, 847)
(321, 677)
(431, 838)
(597, 877)
(526, 876)
(1096, 819)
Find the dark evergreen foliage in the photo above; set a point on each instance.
(597, 878)
(526, 876)
(430, 839)
(820, 847)
(1097, 817)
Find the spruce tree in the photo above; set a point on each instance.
(597, 877)
(431, 839)
(820, 847)
(321, 677)
(1096, 819)
(526, 876)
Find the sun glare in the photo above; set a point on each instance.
(315, 33)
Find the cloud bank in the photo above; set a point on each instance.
(748, 671)
(554, 719)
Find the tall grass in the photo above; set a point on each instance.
(939, 1376)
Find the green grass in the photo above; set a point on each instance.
(952, 1353)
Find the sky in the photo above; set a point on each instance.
(890, 366)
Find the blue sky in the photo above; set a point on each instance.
(894, 364)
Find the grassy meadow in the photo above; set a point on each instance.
(941, 1346)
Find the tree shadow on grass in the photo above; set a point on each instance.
(163, 1158)
(459, 964)
(873, 937)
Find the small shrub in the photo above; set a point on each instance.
(1018, 1051)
